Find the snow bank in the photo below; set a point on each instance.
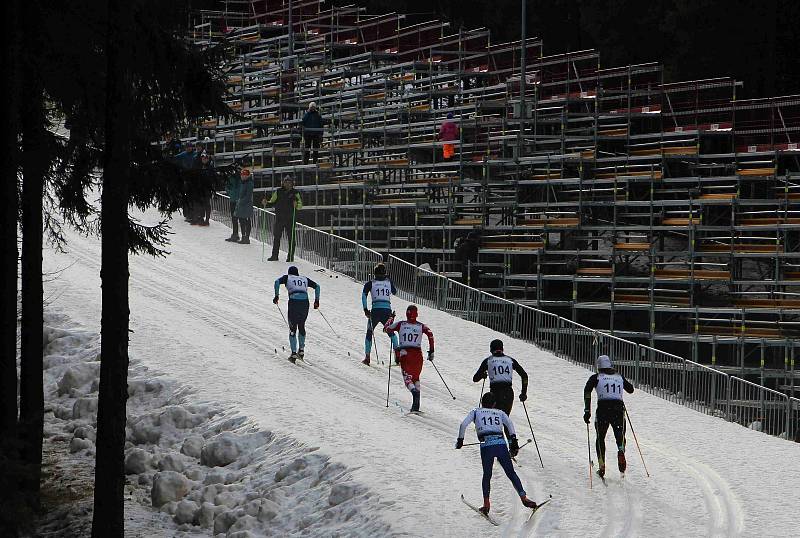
(200, 468)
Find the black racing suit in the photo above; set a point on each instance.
(608, 413)
(503, 391)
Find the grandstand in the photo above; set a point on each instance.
(662, 212)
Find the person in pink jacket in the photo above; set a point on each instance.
(447, 132)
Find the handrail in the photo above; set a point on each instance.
(663, 374)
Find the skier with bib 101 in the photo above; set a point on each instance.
(489, 423)
(408, 354)
(500, 369)
(381, 288)
(610, 410)
(297, 287)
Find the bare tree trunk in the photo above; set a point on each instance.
(34, 168)
(8, 233)
(108, 518)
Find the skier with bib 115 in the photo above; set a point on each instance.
(408, 354)
(297, 287)
(381, 288)
(500, 369)
(610, 410)
(489, 423)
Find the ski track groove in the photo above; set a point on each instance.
(724, 511)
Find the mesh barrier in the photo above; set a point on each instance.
(668, 376)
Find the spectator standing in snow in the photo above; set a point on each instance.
(232, 187)
(206, 185)
(286, 202)
(448, 132)
(244, 205)
(312, 131)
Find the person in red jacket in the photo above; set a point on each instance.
(448, 132)
(409, 352)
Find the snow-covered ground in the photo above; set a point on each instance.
(203, 318)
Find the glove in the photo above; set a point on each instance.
(366, 312)
(430, 355)
(513, 447)
(316, 304)
(523, 397)
(586, 416)
(275, 300)
(459, 442)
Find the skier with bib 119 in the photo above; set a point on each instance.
(610, 410)
(500, 369)
(297, 287)
(489, 423)
(408, 354)
(381, 288)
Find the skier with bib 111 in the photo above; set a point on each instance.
(500, 369)
(381, 288)
(297, 287)
(489, 423)
(408, 354)
(610, 410)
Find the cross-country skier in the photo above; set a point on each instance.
(408, 354)
(489, 424)
(500, 368)
(297, 287)
(610, 409)
(381, 288)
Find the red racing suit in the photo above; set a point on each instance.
(409, 353)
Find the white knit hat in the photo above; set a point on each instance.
(311, 105)
(604, 361)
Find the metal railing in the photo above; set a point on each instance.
(668, 376)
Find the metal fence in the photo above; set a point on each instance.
(668, 376)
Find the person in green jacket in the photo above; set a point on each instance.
(232, 190)
(286, 202)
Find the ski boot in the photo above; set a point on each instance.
(485, 508)
(601, 471)
(272, 259)
(366, 359)
(293, 358)
(301, 353)
(527, 502)
(415, 401)
(621, 461)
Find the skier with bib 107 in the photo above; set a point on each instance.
(408, 354)
(297, 287)
(610, 410)
(489, 423)
(381, 288)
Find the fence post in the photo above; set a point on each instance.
(636, 364)
(557, 349)
(515, 322)
(728, 389)
(683, 383)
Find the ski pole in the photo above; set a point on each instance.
(523, 445)
(284, 317)
(482, 386)
(589, 447)
(375, 343)
(443, 381)
(533, 435)
(328, 322)
(389, 382)
(637, 443)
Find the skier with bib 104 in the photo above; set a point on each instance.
(381, 288)
(489, 423)
(408, 354)
(297, 287)
(610, 410)
(500, 369)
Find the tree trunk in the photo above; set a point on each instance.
(34, 168)
(108, 520)
(8, 234)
